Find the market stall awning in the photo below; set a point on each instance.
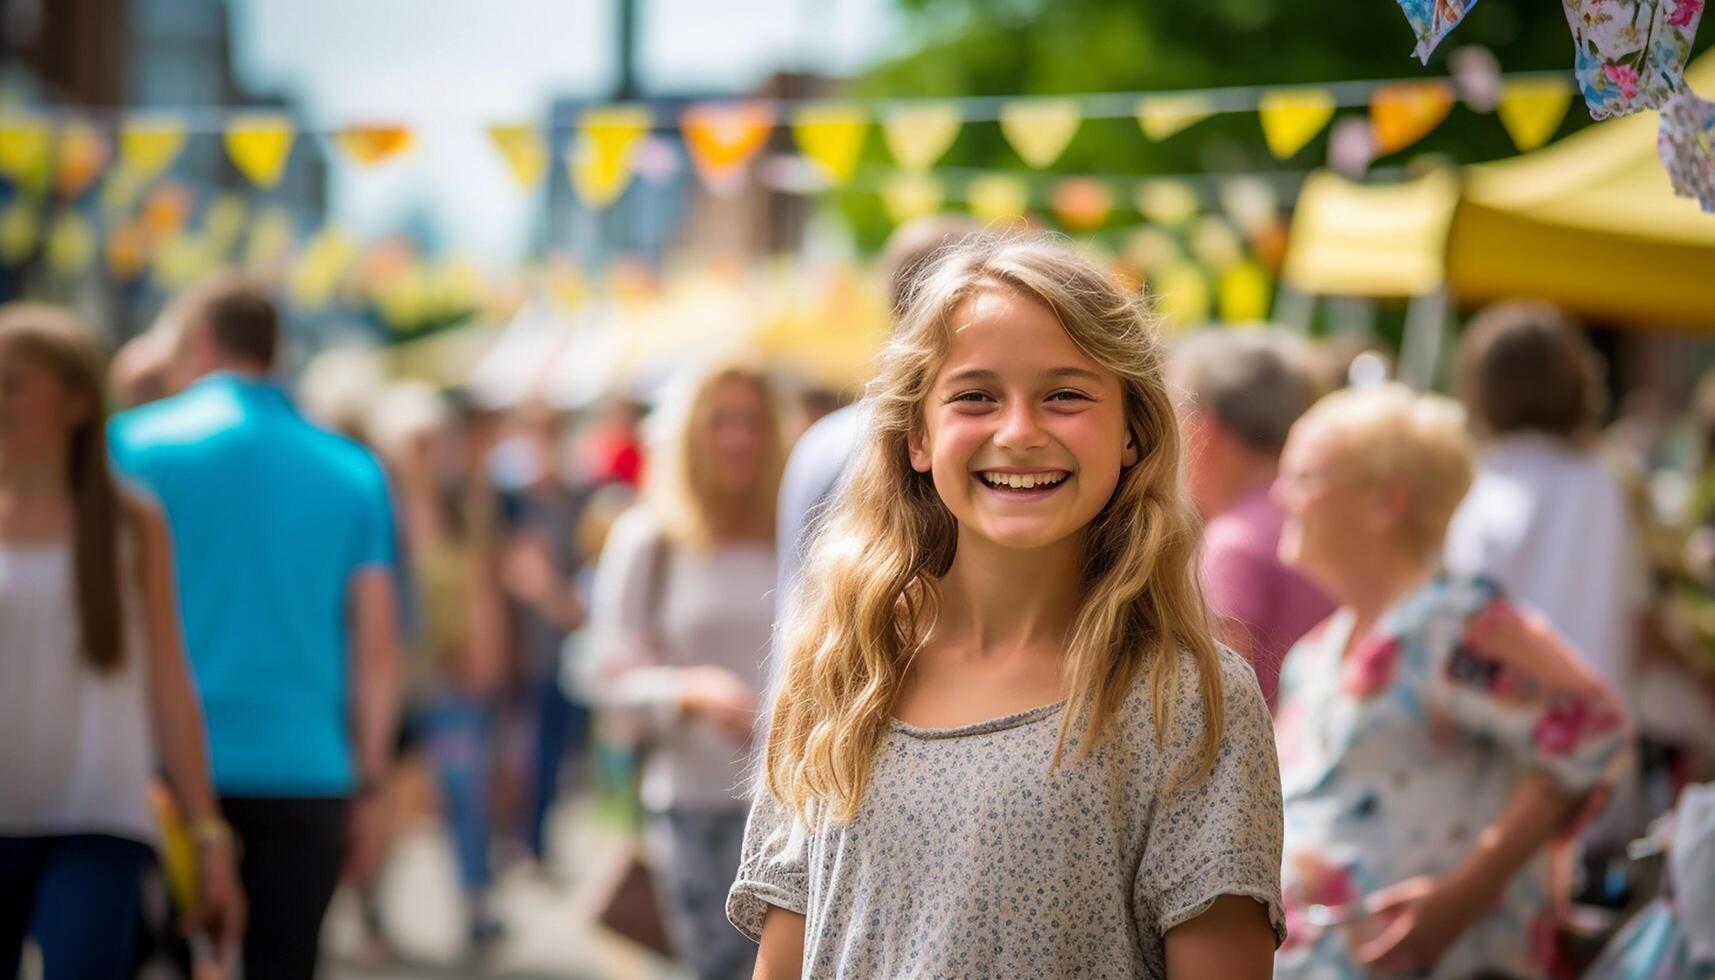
(1351, 239)
(1592, 224)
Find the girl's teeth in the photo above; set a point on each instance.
(1020, 481)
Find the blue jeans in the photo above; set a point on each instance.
(562, 728)
(458, 734)
(694, 856)
(78, 896)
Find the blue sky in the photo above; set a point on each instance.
(450, 67)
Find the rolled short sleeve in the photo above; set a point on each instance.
(773, 869)
(1220, 836)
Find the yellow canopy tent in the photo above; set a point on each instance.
(1590, 223)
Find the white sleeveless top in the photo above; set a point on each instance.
(76, 746)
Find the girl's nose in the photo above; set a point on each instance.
(1020, 429)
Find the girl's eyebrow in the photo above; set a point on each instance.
(984, 374)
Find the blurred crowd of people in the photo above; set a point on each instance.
(284, 611)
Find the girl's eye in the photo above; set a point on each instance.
(970, 396)
(1067, 395)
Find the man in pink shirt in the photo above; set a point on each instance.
(1239, 393)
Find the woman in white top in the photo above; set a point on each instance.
(94, 689)
(681, 613)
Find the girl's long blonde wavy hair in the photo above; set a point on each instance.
(868, 593)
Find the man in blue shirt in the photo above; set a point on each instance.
(284, 539)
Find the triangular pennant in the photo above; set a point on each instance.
(1431, 20)
(26, 150)
(165, 211)
(1040, 129)
(70, 244)
(258, 146)
(149, 145)
(1161, 116)
(918, 136)
(722, 139)
(1291, 118)
(525, 151)
(1532, 109)
(126, 251)
(223, 222)
(20, 226)
(1244, 292)
(1181, 293)
(270, 242)
(82, 155)
(1402, 114)
(370, 145)
(910, 195)
(996, 197)
(1166, 202)
(603, 156)
(1083, 204)
(831, 136)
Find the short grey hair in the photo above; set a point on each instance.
(1256, 383)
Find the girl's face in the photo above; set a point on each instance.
(735, 436)
(38, 411)
(1023, 433)
(1333, 521)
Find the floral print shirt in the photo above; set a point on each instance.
(1395, 757)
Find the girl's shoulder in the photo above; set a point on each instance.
(1243, 710)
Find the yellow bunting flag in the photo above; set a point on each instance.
(258, 146)
(1161, 116)
(370, 145)
(1244, 293)
(82, 155)
(1040, 129)
(223, 222)
(70, 244)
(1083, 204)
(1292, 117)
(918, 136)
(270, 240)
(26, 150)
(1532, 110)
(317, 273)
(1402, 114)
(831, 136)
(604, 154)
(1214, 243)
(20, 227)
(910, 195)
(1181, 294)
(149, 145)
(182, 262)
(525, 151)
(723, 138)
(119, 191)
(1166, 202)
(996, 197)
(1151, 248)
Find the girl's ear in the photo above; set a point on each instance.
(1129, 455)
(917, 448)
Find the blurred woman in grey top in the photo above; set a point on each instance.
(681, 613)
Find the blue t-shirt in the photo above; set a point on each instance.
(271, 517)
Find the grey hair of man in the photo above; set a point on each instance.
(1255, 383)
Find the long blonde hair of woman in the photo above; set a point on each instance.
(868, 594)
(677, 487)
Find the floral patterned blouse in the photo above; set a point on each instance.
(1394, 759)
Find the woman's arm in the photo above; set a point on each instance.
(177, 722)
(1232, 938)
(781, 956)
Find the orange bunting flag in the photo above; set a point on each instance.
(82, 156)
(604, 154)
(149, 145)
(918, 136)
(723, 138)
(831, 136)
(1402, 114)
(1292, 117)
(1040, 129)
(370, 145)
(258, 145)
(996, 197)
(525, 151)
(1082, 204)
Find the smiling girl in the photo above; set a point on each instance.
(1005, 743)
